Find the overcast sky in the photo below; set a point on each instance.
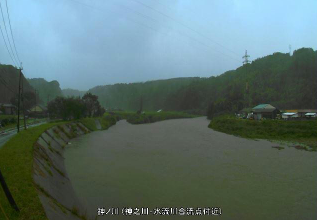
(85, 43)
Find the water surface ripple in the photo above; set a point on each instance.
(183, 163)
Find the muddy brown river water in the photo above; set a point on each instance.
(183, 163)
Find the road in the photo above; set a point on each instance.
(7, 135)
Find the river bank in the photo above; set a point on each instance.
(299, 134)
(34, 151)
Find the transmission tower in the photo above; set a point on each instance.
(246, 94)
(246, 58)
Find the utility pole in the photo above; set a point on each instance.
(48, 99)
(23, 109)
(34, 106)
(19, 97)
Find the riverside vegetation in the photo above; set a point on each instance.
(301, 134)
(150, 117)
(16, 163)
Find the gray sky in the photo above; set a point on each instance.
(85, 43)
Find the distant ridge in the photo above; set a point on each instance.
(10, 76)
(73, 92)
(284, 81)
(47, 90)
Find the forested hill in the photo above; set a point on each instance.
(280, 79)
(9, 83)
(73, 92)
(128, 96)
(46, 90)
(287, 82)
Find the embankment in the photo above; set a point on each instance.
(50, 177)
(32, 164)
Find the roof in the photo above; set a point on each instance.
(311, 114)
(289, 113)
(264, 106)
(247, 110)
(38, 108)
(8, 105)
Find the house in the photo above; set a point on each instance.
(38, 111)
(264, 111)
(8, 109)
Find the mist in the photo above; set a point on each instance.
(82, 44)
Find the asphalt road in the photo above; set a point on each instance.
(7, 135)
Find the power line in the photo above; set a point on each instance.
(5, 28)
(6, 85)
(155, 20)
(169, 27)
(5, 42)
(12, 33)
(246, 58)
(2, 80)
(175, 20)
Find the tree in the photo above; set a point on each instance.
(66, 108)
(92, 104)
(28, 100)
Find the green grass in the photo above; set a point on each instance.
(7, 116)
(106, 121)
(14, 125)
(302, 132)
(16, 164)
(10, 121)
(150, 117)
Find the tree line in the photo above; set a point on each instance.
(75, 108)
(283, 80)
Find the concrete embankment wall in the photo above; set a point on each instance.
(50, 177)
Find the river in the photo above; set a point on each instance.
(183, 163)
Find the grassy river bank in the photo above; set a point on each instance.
(16, 160)
(16, 163)
(300, 134)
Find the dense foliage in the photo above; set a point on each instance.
(75, 108)
(29, 100)
(282, 80)
(149, 117)
(73, 92)
(304, 132)
(153, 94)
(46, 90)
(9, 83)
(7, 120)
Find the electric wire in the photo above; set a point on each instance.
(2, 80)
(16, 52)
(155, 20)
(5, 42)
(5, 28)
(188, 27)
